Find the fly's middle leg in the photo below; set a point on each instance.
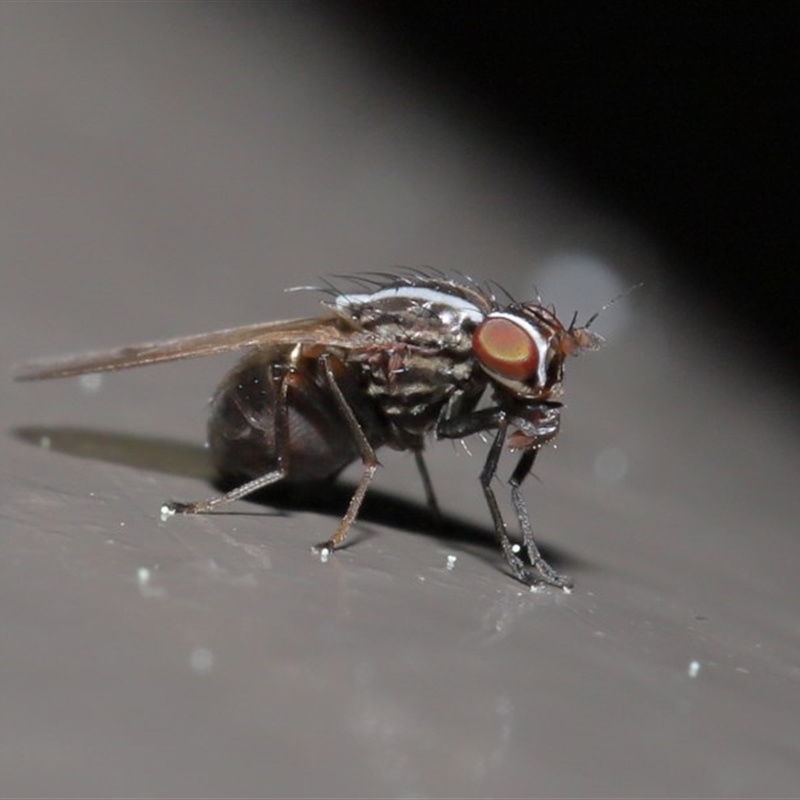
(368, 459)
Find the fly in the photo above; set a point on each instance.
(399, 358)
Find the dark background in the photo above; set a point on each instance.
(680, 115)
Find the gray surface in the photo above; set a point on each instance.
(164, 169)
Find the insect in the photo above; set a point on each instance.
(400, 357)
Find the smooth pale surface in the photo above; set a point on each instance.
(168, 169)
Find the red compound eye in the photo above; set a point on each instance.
(506, 348)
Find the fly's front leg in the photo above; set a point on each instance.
(282, 384)
(484, 419)
(547, 573)
(521, 572)
(368, 459)
(452, 425)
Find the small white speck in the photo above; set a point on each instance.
(146, 589)
(45, 442)
(166, 512)
(91, 383)
(515, 548)
(451, 562)
(694, 669)
(537, 588)
(566, 589)
(201, 660)
(324, 554)
(122, 524)
(743, 670)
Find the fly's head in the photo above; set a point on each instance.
(522, 349)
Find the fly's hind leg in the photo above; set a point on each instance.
(368, 460)
(282, 384)
(209, 504)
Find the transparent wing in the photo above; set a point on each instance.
(325, 331)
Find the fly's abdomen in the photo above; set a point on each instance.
(242, 432)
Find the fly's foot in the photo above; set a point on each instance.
(546, 574)
(541, 575)
(173, 507)
(324, 549)
(557, 579)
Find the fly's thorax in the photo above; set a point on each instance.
(412, 384)
(420, 349)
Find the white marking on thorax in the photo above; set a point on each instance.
(425, 297)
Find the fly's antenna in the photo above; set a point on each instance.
(607, 305)
(574, 320)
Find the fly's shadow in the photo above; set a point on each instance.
(174, 457)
